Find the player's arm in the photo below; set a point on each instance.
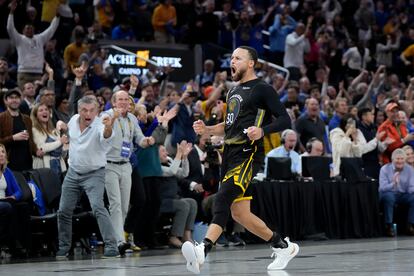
(271, 100)
(200, 128)
(267, 97)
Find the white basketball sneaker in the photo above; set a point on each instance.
(194, 255)
(283, 255)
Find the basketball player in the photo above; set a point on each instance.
(250, 107)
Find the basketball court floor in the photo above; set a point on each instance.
(382, 256)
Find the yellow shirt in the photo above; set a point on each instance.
(162, 14)
(49, 9)
(105, 15)
(409, 52)
(72, 53)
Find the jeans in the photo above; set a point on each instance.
(389, 199)
(93, 184)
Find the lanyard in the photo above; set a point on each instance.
(122, 129)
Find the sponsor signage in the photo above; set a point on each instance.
(181, 60)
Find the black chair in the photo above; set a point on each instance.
(44, 227)
(23, 210)
(351, 169)
(22, 182)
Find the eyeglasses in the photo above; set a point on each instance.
(49, 95)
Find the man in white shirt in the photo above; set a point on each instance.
(90, 138)
(297, 44)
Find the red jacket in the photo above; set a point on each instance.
(391, 132)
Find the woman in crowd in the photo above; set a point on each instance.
(348, 141)
(52, 140)
(14, 218)
(409, 155)
(184, 209)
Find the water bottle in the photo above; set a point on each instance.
(93, 242)
(77, 251)
(394, 228)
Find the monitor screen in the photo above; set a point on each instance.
(279, 168)
(352, 169)
(317, 167)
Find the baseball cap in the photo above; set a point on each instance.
(13, 91)
(391, 106)
(208, 90)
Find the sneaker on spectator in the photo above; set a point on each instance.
(129, 238)
(283, 255)
(122, 248)
(222, 241)
(112, 253)
(62, 254)
(194, 255)
(235, 240)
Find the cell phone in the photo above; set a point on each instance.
(193, 94)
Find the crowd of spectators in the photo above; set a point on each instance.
(349, 94)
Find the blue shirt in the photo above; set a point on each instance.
(386, 181)
(12, 188)
(334, 122)
(87, 149)
(282, 152)
(119, 34)
(279, 32)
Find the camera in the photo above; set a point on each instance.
(212, 154)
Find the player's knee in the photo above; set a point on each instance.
(221, 215)
(237, 215)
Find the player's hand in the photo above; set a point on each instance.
(254, 133)
(199, 127)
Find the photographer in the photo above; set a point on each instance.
(204, 175)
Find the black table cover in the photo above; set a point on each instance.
(301, 209)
